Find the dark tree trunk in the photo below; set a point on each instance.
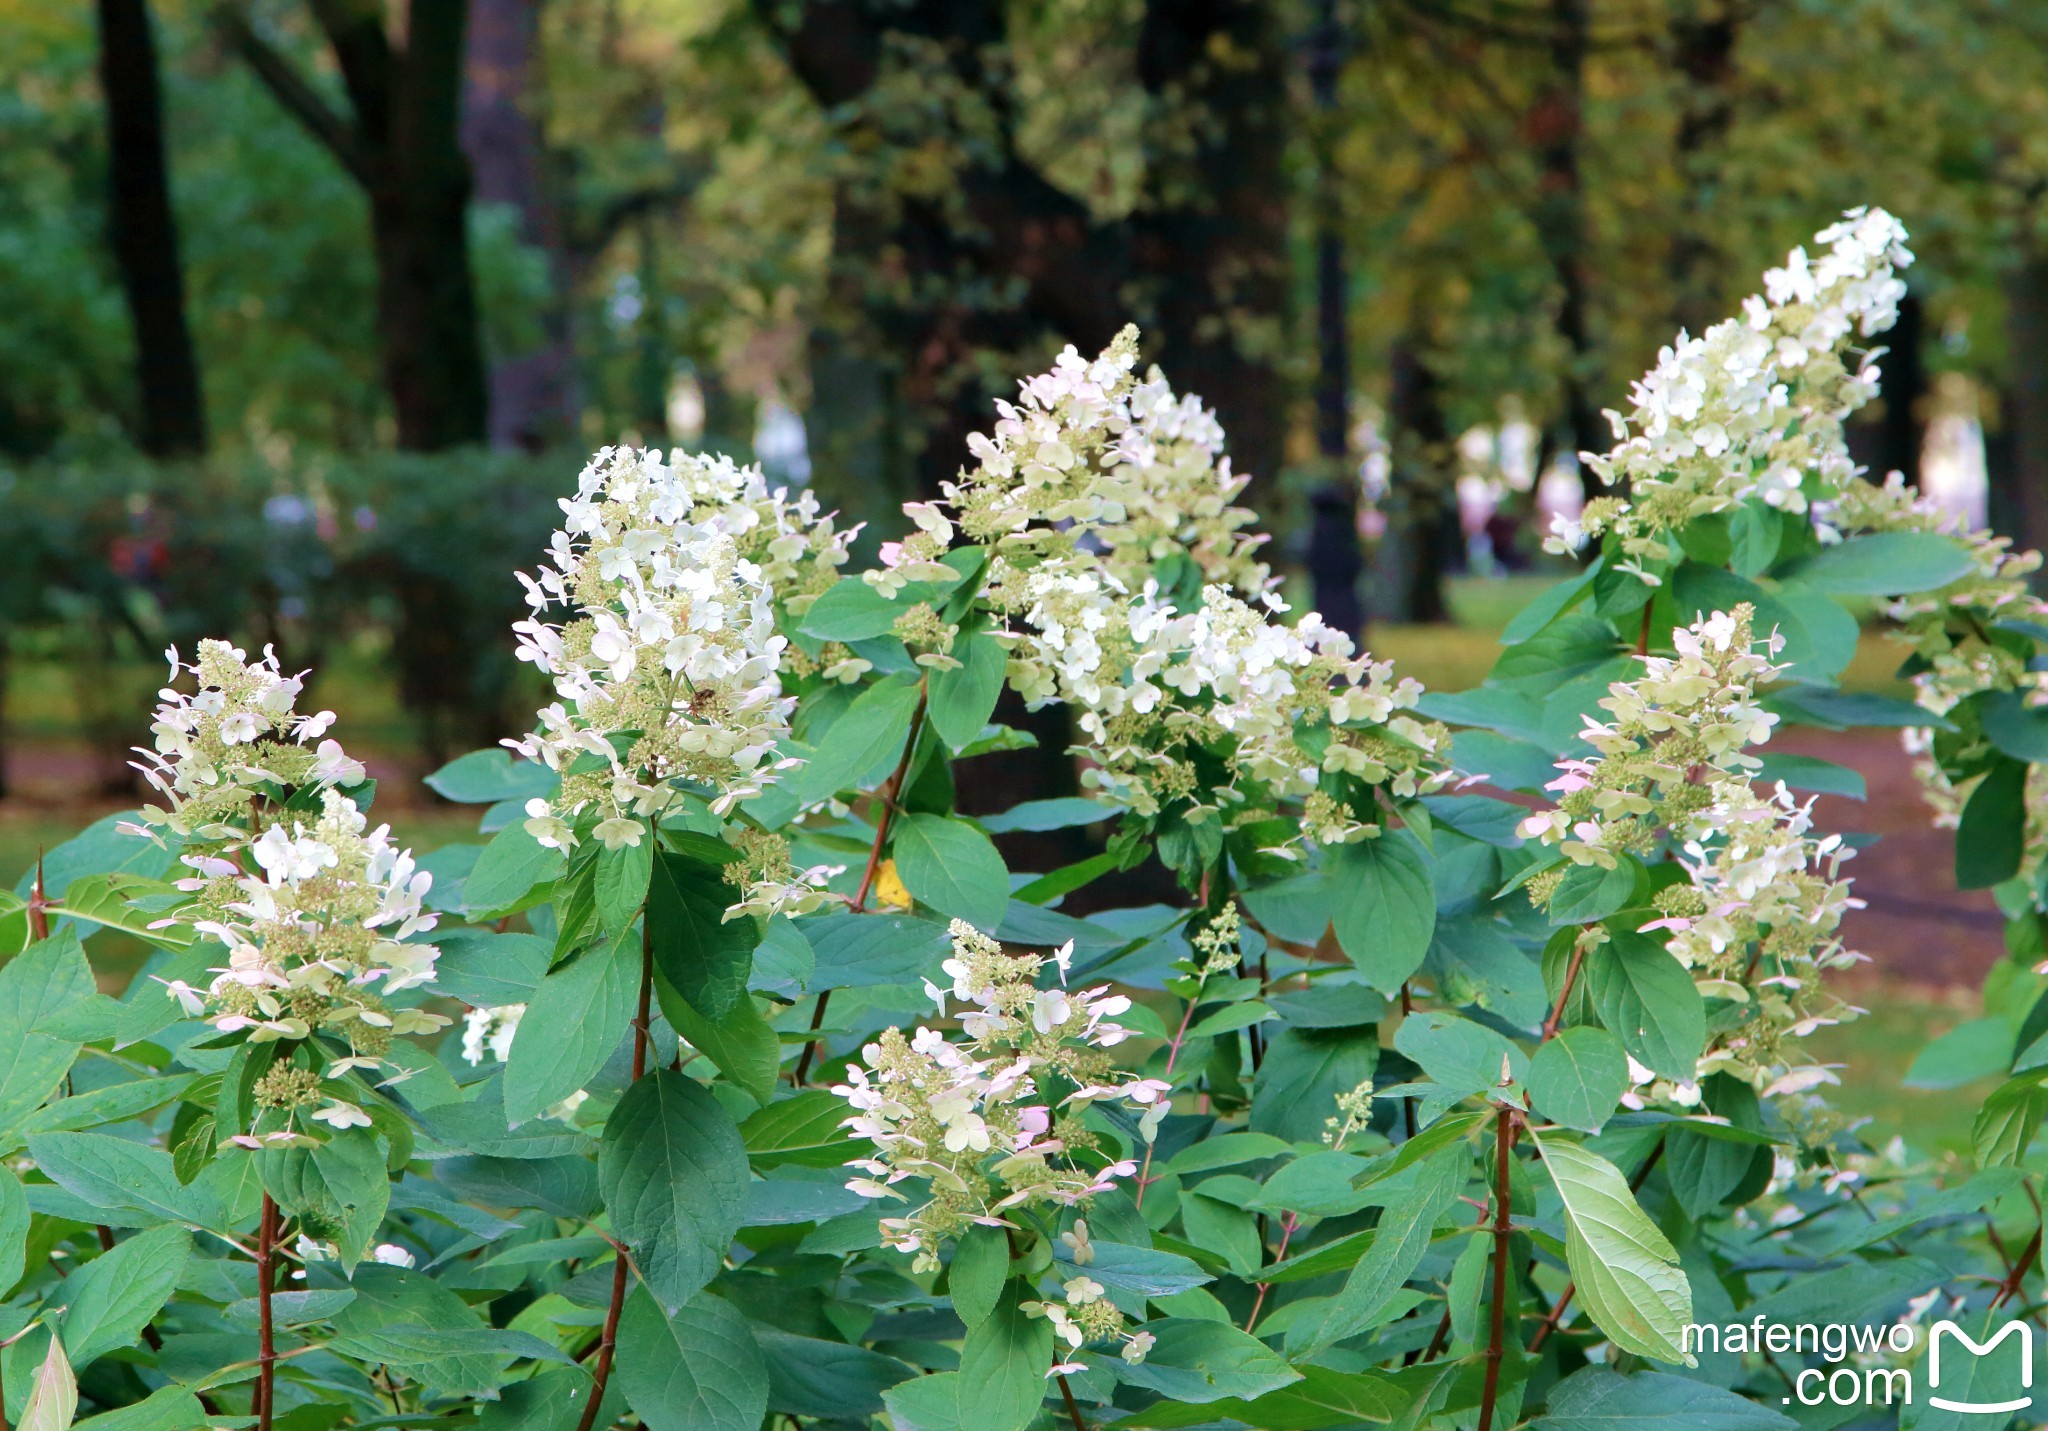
(2018, 459)
(1887, 437)
(923, 289)
(1336, 563)
(1556, 131)
(1704, 40)
(144, 235)
(402, 143)
(1424, 529)
(531, 394)
(1209, 242)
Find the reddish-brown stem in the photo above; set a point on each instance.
(1564, 993)
(1073, 1406)
(1172, 1053)
(266, 1344)
(884, 818)
(608, 1339)
(1504, 1131)
(1287, 1226)
(38, 906)
(2010, 1287)
(1643, 639)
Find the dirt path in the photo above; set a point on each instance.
(1918, 927)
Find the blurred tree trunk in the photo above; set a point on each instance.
(1704, 38)
(144, 235)
(927, 284)
(1887, 438)
(532, 400)
(928, 288)
(2017, 454)
(1423, 534)
(1209, 240)
(402, 143)
(1556, 130)
(1336, 562)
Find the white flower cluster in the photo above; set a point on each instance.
(970, 1119)
(318, 914)
(1091, 456)
(1756, 920)
(318, 936)
(667, 665)
(1133, 593)
(490, 1030)
(1084, 1313)
(1754, 407)
(236, 741)
(1159, 691)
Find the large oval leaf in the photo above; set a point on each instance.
(674, 1175)
(953, 868)
(698, 1369)
(1385, 907)
(1626, 1271)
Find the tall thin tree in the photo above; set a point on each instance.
(143, 230)
(402, 142)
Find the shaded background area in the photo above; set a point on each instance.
(309, 309)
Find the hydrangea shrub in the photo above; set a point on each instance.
(732, 1080)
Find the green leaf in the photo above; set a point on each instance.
(975, 1277)
(1578, 1078)
(576, 1018)
(1430, 1189)
(168, 1408)
(953, 868)
(1626, 1271)
(963, 699)
(852, 610)
(1141, 1271)
(36, 987)
(119, 1174)
(506, 874)
(705, 956)
(1978, 1048)
(868, 734)
(802, 1130)
(674, 1175)
(485, 777)
(1301, 1075)
(1194, 1362)
(696, 1369)
(1647, 999)
(808, 1376)
(2010, 1117)
(1322, 1399)
(14, 1225)
(114, 1296)
(485, 970)
(552, 1401)
(1000, 1383)
(1588, 892)
(1596, 1399)
(859, 951)
(621, 883)
(342, 1183)
(407, 1319)
(740, 1043)
(1064, 812)
(1884, 564)
(564, 1187)
(1991, 839)
(1550, 604)
(1385, 907)
(1463, 1056)
(53, 1395)
(2016, 728)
